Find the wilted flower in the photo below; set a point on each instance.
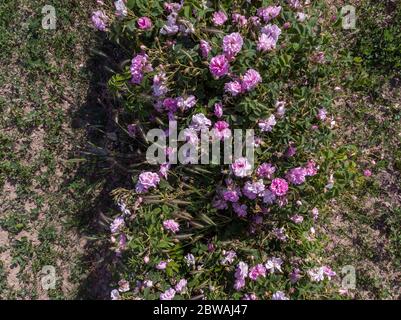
(240, 209)
(274, 264)
(190, 259)
(295, 275)
(218, 109)
(297, 219)
(180, 286)
(269, 197)
(205, 48)
(117, 224)
(168, 294)
(279, 295)
(253, 189)
(161, 265)
(279, 233)
(267, 125)
(123, 285)
(229, 257)
(115, 295)
(100, 20)
(121, 9)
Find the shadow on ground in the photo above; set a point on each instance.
(98, 168)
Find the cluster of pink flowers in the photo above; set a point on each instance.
(139, 66)
(268, 13)
(298, 175)
(100, 20)
(320, 273)
(249, 81)
(268, 38)
(239, 20)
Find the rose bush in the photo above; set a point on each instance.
(225, 231)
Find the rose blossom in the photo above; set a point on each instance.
(233, 87)
(250, 80)
(144, 23)
(241, 167)
(239, 19)
(171, 225)
(232, 44)
(200, 122)
(240, 209)
(146, 181)
(253, 189)
(269, 13)
(296, 175)
(219, 18)
(265, 43)
(257, 271)
(219, 66)
(265, 170)
(271, 30)
(221, 130)
(279, 187)
(205, 48)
